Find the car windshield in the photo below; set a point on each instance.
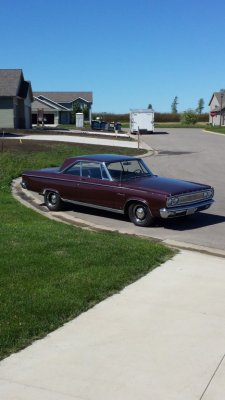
(128, 169)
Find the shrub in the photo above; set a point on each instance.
(189, 117)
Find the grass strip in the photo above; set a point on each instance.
(51, 272)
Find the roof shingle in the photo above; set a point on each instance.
(65, 97)
(10, 81)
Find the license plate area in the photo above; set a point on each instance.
(191, 211)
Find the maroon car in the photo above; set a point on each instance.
(120, 184)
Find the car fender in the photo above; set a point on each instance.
(49, 190)
(135, 200)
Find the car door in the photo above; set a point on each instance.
(95, 187)
(70, 183)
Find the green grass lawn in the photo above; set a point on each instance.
(51, 272)
(219, 129)
(179, 125)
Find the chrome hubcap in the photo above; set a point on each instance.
(53, 198)
(140, 213)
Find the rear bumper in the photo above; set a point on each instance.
(185, 210)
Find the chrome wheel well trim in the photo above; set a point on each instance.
(136, 200)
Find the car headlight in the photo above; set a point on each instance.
(172, 201)
(209, 193)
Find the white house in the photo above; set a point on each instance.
(217, 108)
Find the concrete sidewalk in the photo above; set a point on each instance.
(161, 338)
(85, 140)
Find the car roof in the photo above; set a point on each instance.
(107, 158)
(102, 157)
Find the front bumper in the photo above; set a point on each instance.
(186, 209)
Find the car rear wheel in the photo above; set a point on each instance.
(53, 201)
(140, 214)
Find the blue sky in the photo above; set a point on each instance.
(128, 53)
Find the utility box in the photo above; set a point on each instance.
(142, 121)
(79, 120)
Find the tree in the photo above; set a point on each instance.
(200, 107)
(189, 117)
(76, 109)
(174, 105)
(86, 113)
(149, 107)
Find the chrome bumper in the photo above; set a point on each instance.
(23, 184)
(185, 210)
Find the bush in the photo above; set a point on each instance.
(189, 117)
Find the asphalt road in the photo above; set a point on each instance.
(193, 155)
(189, 154)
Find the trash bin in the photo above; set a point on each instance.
(118, 127)
(104, 126)
(95, 125)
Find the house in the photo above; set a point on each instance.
(15, 99)
(217, 108)
(56, 107)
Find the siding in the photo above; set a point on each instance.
(37, 105)
(6, 118)
(6, 103)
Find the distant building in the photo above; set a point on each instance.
(55, 107)
(217, 109)
(15, 99)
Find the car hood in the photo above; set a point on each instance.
(163, 185)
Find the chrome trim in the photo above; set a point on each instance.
(48, 189)
(191, 208)
(75, 181)
(118, 186)
(184, 198)
(23, 184)
(79, 203)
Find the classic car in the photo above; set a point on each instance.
(117, 183)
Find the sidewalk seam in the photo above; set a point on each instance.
(212, 377)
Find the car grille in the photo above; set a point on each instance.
(192, 197)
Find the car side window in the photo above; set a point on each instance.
(91, 170)
(74, 170)
(115, 169)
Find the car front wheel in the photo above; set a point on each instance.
(140, 214)
(53, 201)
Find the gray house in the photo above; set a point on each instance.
(55, 107)
(15, 99)
(217, 109)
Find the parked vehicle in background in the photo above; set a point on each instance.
(117, 183)
(142, 121)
